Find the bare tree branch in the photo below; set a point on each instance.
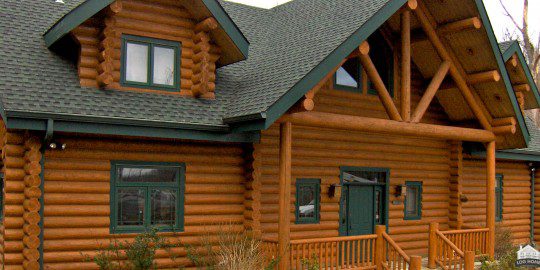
(507, 13)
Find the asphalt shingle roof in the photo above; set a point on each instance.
(287, 42)
(534, 143)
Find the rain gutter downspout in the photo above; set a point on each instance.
(46, 140)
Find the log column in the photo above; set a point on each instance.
(406, 65)
(203, 67)
(31, 203)
(490, 196)
(285, 149)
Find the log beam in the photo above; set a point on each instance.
(406, 65)
(375, 78)
(206, 25)
(461, 25)
(431, 90)
(307, 103)
(522, 88)
(284, 230)
(365, 124)
(458, 77)
(482, 77)
(505, 129)
(504, 121)
(490, 196)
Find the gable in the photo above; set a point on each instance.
(228, 34)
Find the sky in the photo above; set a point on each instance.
(496, 13)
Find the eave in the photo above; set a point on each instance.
(515, 49)
(90, 8)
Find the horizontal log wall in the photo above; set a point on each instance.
(516, 196)
(100, 39)
(318, 153)
(20, 159)
(77, 184)
(537, 206)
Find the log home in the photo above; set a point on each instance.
(364, 132)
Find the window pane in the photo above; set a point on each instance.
(349, 74)
(149, 174)
(306, 201)
(412, 200)
(364, 177)
(163, 207)
(136, 63)
(130, 207)
(163, 66)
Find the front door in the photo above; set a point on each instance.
(360, 210)
(363, 200)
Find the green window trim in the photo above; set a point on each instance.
(178, 185)
(151, 43)
(350, 88)
(418, 206)
(316, 185)
(499, 197)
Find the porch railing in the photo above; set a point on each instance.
(373, 251)
(444, 252)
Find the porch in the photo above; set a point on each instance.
(453, 249)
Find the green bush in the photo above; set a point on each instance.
(136, 255)
(311, 264)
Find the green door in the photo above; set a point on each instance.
(360, 209)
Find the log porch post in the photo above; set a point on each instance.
(284, 238)
(406, 65)
(490, 197)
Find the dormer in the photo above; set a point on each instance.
(160, 46)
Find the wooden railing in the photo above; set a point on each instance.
(474, 240)
(270, 250)
(395, 257)
(373, 251)
(444, 252)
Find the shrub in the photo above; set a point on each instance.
(311, 264)
(505, 252)
(136, 255)
(229, 249)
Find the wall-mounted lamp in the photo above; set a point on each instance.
(334, 191)
(463, 198)
(400, 191)
(57, 145)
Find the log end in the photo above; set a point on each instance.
(477, 23)
(412, 4)
(364, 48)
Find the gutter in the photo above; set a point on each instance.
(46, 140)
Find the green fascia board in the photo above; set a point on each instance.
(131, 130)
(73, 19)
(510, 155)
(91, 7)
(502, 67)
(228, 26)
(330, 62)
(516, 49)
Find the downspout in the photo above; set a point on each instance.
(532, 169)
(46, 140)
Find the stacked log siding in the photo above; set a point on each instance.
(537, 206)
(319, 153)
(162, 19)
(77, 184)
(516, 196)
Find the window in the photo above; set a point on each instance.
(307, 200)
(413, 201)
(499, 197)
(349, 75)
(150, 63)
(146, 195)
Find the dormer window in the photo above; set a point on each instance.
(150, 63)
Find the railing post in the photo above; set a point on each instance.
(433, 228)
(469, 260)
(379, 246)
(416, 263)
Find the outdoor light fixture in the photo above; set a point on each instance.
(400, 191)
(57, 145)
(334, 191)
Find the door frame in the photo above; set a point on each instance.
(343, 206)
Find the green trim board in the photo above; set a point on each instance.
(502, 68)
(418, 200)
(132, 130)
(91, 7)
(314, 184)
(523, 156)
(516, 49)
(342, 204)
(42, 207)
(178, 186)
(151, 44)
(499, 197)
(276, 110)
